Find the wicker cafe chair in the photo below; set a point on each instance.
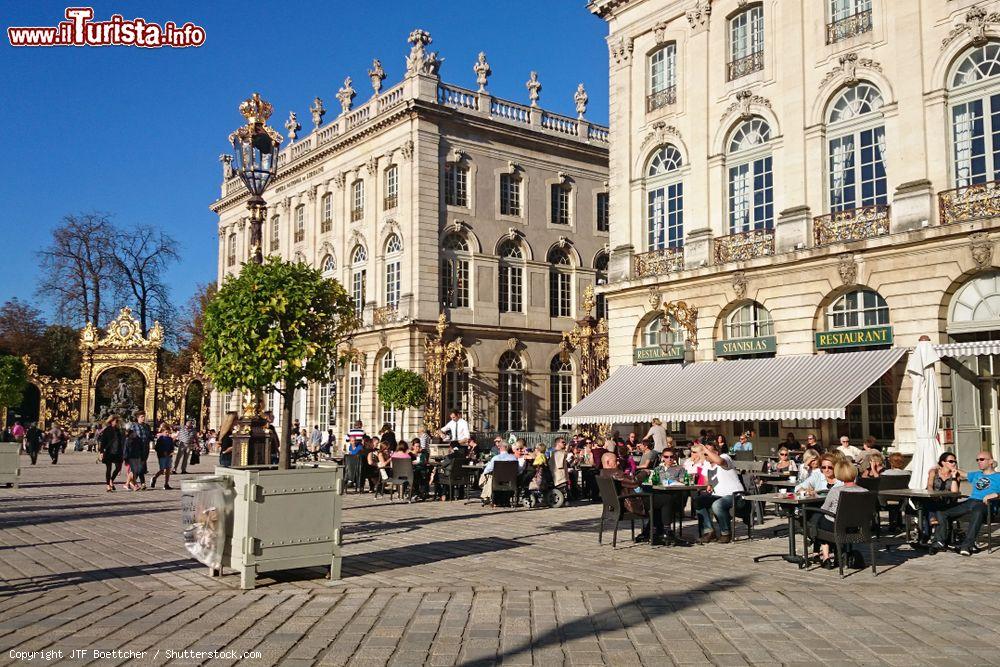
(614, 509)
(400, 478)
(852, 524)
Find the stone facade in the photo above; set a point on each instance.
(823, 149)
(424, 184)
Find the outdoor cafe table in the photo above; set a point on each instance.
(663, 489)
(791, 503)
(919, 497)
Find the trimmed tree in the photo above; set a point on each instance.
(400, 389)
(13, 380)
(276, 327)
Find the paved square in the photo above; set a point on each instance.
(454, 584)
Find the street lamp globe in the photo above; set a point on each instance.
(256, 145)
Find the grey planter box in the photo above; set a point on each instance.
(284, 519)
(10, 463)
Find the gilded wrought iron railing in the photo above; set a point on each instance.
(300, 235)
(746, 65)
(357, 214)
(326, 225)
(856, 224)
(744, 245)
(972, 202)
(659, 262)
(389, 203)
(385, 314)
(849, 26)
(661, 98)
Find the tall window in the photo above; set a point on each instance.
(662, 77)
(393, 256)
(387, 363)
(300, 223)
(848, 18)
(455, 272)
(751, 186)
(228, 401)
(354, 393)
(560, 390)
(391, 188)
(231, 250)
(560, 283)
(357, 200)
(560, 204)
(511, 393)
(511, 277)
(601, 303)
(975, 116)
(858, 308)
(603, 212)
(326, 206)
(510, 194)
(326, 408)
(751, 320)
(456, 387)
(746, 42)
(456, 184)
(857, 149)
(665, 200)
(275, 233)
(359, 276)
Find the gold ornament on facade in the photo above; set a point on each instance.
(438, 355)
(973, 202)
(856, 224)
(589, 338)
(686, 317)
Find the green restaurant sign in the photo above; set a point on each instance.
(865, 337)
(736, 347)
(644, 355)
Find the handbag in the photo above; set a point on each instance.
(195, 458)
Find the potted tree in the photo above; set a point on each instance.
(276, 327)
(13, 379)
(400, 389)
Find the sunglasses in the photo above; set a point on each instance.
(826, 467)
(984, 459)
(783, 454)
(954, 461)
(669, 456)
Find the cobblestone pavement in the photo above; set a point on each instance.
(454, 584)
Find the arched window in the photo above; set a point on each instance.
(511, 393)
(600, 302)
(393, 259)
(751, 186)
(359, 278)
(975, 116)
(275, 233)
(231, 250)
(326, 205)
(455, 272)
(750, 320)
(456, 387)
(664, 200)
(654, 335)
(387, 363)
(746, 42)
(391, 180)
(856, 132)
(560, 390)
(858, 308)
(511, 283)
(976, 306)
(662, 77)
(329, 265)
(358, 200)
(560, 283)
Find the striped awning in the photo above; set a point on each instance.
(970, 349)
(794, 387)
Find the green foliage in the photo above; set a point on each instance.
(13, 380)
(275, 326)
(400, 389)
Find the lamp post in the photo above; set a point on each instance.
(437, 356)
(590, 338)
(257, 147)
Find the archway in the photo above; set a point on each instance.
(29, 409)
(119, 390)
(193, 398)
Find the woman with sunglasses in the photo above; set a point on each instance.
(810, 462)
(822, 479)
(944, 477)
(785, 462)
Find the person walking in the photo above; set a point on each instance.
(136, 453)
(184, 442)
(56, 446)
(164, 448)
(33, 442)
(111, 448)
(315, 441)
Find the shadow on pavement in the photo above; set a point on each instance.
(412, 555)
(38, 544)
(49, 582)
(35, 519)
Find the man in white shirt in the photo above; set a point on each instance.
(723, 482)
(457, 430)
(848, 450)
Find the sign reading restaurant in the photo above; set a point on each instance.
(645, 355)
(737, 347)
(865, 337)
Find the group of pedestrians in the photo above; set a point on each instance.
(33, 440)
(129, 444)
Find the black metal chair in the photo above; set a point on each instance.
(614, 508)
(400, 478)
(352, 470)
(454, 476)
(747, 511)
(852, 524)
(505, 478)
(992, 515)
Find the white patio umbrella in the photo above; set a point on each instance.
(926, 401)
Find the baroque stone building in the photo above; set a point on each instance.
(813, 177)
(430, 198)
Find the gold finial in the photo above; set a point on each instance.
(256, 110)
(441, 325)
(588, 300)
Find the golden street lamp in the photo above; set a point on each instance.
(437, 355)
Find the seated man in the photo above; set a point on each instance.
(723, 481)
(666, 505)
(647, 459)
(985, 489)
(743, 444)
(486, 479)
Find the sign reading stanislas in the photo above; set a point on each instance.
(735, 347)
(864, 337)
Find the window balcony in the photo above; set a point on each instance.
(746, 65)
(357, 214)
(389, 203)
(746, 245)
(659, 262)
(973, 202)
(849, 26)
(300, 235)
(326, 226)
(385, 315)
(661, 98)
(855, 224)
(275, 244)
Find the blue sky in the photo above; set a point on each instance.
(137, 132)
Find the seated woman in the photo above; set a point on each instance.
(944, 477)
(810, 462)
(401, 451)
(845, 474)
(873, 465)
(824, 478)
(785, 462)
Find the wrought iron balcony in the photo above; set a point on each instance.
(746, 245)
(389, 203)
(973, 202)
(385, 315)
(357, 214)
(661, 98)
(326, 226)
(849, 26)
(275, 244)
(300, 235)
(855, 224)
(746, 65)
(659, 262)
